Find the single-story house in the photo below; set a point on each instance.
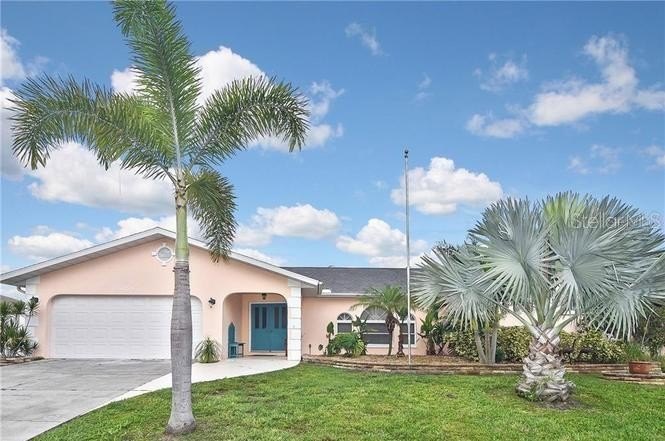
(113, 300)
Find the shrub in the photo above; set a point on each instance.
(208, 351)
(462, 344)
(15, 339)
(349, 342)
(590, 347)
(514, 342)
(635, 352)
(513, 345)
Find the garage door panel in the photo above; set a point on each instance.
(115, 326)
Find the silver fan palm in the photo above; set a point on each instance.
(549, 264)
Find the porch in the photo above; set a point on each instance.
(261, 324)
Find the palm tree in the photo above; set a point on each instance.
(163, 131)
(391, 300)
(567, 258)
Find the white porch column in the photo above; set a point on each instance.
(294, 322)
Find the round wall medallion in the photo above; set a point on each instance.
(164, 254)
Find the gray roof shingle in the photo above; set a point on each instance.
(353, 280)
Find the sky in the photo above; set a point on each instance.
(492, 100)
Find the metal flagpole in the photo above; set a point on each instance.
(408, 253)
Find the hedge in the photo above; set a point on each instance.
(513, 345)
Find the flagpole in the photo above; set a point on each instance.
(408, 253)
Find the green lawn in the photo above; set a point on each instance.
(321, 403)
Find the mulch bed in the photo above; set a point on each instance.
(440, 365)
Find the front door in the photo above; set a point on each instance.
(269, 327)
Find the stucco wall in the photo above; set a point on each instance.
(134, 271)
(319, 311)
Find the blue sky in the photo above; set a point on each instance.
(493, 100)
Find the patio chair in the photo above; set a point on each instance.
(236, 349)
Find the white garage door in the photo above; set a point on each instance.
(115, 326)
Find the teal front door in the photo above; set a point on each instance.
(269, 327)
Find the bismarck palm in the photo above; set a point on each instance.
(566, 259)
(162, 131)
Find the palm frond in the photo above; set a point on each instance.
(512, 249)
(600, 251)
(244, 111)
(455, 282)
(166, 71)
(48, 111)
(211, 200)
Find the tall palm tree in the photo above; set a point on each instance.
(389, 299)
(567, 258)
(164, 132)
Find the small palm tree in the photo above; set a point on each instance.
(556, 262)
(163, 131)
(389, 299)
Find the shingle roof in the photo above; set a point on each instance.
(353, 280)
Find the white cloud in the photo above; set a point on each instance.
(568, 101)
(381, 244)
(250, 252)
(366, 37)
(10, 166)
(132, 225)
(46, 245)
(502, 73)
(321, 96)
(657, 153)
(601, 159)
(11, 67)
(222, 66)
(487, 125)
(124, 81)
(252, 236)
(442, 187)
(423, 88)
(73, 175)
(571, 100)
(303, 221)
(578, 165)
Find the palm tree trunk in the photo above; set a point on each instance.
(479, 347)
(543, 372)
(400, 342)
(182, 419)
(391, 327)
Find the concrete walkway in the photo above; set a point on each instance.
(234, 367)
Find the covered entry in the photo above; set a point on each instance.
(268, 327)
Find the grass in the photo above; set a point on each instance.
(323, 403)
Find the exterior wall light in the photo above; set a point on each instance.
(212, 302)
(264, 295)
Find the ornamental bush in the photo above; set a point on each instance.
(462, 344)
(514, 341)
(590, 347)
(513, 345)
(349, 342)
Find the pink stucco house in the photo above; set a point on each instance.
(113, 301)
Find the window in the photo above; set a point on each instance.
(344, 322)
(413, 330)
(377, 333)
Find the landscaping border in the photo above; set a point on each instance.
(460, 368)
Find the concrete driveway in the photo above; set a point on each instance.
(39, 395)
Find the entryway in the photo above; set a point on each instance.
(268, 327)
